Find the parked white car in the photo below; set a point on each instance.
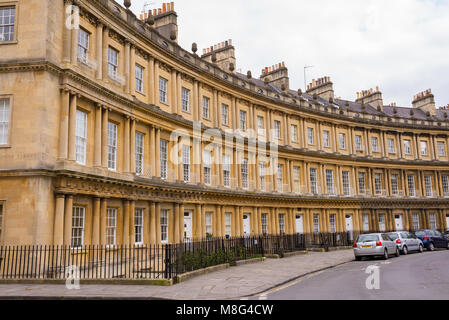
(407, 242)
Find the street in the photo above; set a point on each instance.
(415, 276)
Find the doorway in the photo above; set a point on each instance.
(188, 223)
(399, 223)
(299, 223)
(350, 226)
(246, 225)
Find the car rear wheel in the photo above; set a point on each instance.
(431, 247)
(405, 251)
(421, 248)
(385, 257)
(447, 247)
(398, 253)
(358, 258)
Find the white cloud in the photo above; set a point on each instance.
(400, 45)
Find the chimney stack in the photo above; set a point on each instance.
(165, 20)
(277, 75)
(224, 53)
(371, 97)
(323, 87)
(425, 101)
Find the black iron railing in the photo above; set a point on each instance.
(153, 261)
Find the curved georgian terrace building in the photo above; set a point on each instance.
(93, 118)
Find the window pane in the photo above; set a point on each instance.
(4, 120)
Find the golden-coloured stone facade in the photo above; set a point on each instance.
(111, 133)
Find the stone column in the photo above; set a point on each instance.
(151, 81)
(197, 221)
(103, 214)
(72, 127)
(179, 92)
(126, 145)
(58, 229)
(99, 49)
(218, 222)
(152, 221)
(64, 124)
(132, 69)
(174, 98)
(74, 46)
(158, 222)
(158, 152)
(132, 228)
(126, 219)
(67, 34)
(68, 220)
(97, 138)
(176, 229)
(104, 139)
(105, 51)
(156, 83)
(195, 104)
(96, 221)
(127, 66)
(133, 147)
(181, 222)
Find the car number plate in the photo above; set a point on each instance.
(366, 247)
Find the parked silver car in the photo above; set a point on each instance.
(375, 244)
(407, 242)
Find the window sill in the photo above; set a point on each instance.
(8, 42)
(5, 146)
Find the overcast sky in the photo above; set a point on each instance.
(400, 45)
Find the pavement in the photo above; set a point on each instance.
(413, 277)
(234, 283)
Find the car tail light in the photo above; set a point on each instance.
(398, 241)
(426, 238)
(355, 245)
(379, 243)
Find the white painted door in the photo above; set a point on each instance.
(188, 235)
(246, 225)
(447, 222)
(350, 226)
(399, 223)
(300, 223)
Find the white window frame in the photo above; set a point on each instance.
(310, 136)
(112, 146)
(277, 129)
(83, 45)
(245, 173)
(358, 143)
(407, 147)
(111, 226)
(382, 223)
(280, 177)
(164, 159)
(242, 120)
(224, 114)
(282, 223)
(186, 163)
(226, 170)
(316, 223)
(332, 223)
(113, 62)
(365, 219)
(6, 26)
(164, 224)
(441, 148)
(346, 183)
(139, 216)
(262, 175)
(378, 183)
(81, 137)
(209, 223)
(391, 146)
(313, 181)
(206, 108)
(228, 224)
(140, 153)
(424, 148)
(445, 182)
(139, 73)
(185, 99)
(326, 140)
(428, 185)
(260, 126)
(163, 96)
(342, 141)
(296, 179)
(330, 182)
(395, 183)
(207, 167)
(264, 218)
(78, 222)
(411, 185)
(362, 182)
(415, 221)
(433, 221)
(375, 144)
(5, 120)
(294, 129)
